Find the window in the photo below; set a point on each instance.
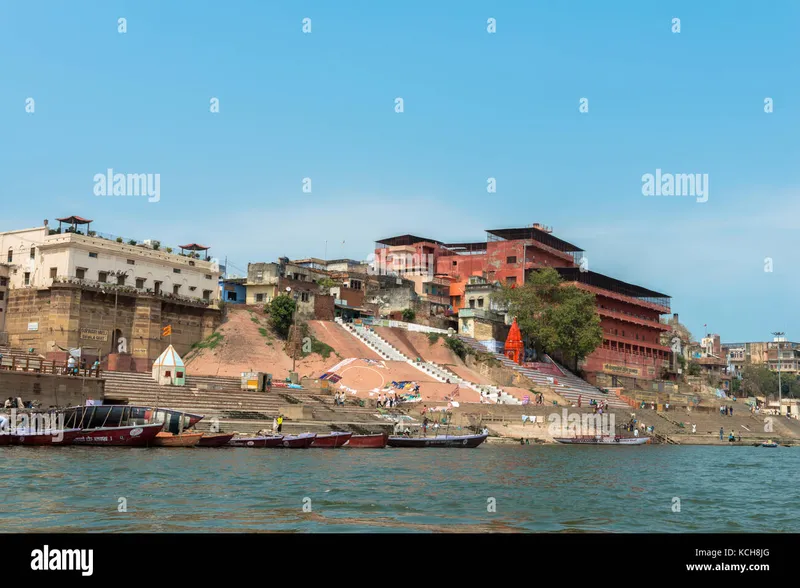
(27, 278)
(356, 284)
(102, 276)
(191, 263)
(303, 296)
(176, 289)
(157, 287)
(511, 259)
(455, 263)
(131, 262)
(92, 254)
(10, 255)
(2, 295)
(80, 273)
(208, 277)
(140, 283)
(259, 276)
(175, 270)
(192, 288)
(511, 280)
(121, 280)
(259, 298)
(3, 281)
(480, 302)
(206, 294)
(53, 273)
(33, 252)
(472, 303)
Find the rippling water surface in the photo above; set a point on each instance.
(535, 488)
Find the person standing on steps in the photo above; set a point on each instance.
(721, 433)
(280, 424)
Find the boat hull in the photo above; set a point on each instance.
(256, 441)
(117, 415)
(454, 441)
(215, 439)
(58, 437)
(182, 440)
(297, 441)
(5, 438)
(602, 440)
(331, 441)
(368, 441)
(128, 436)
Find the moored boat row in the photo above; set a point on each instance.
(143, 426)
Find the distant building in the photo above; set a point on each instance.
(778, 355)
(233, 290)
(74, 287)
(630, 315)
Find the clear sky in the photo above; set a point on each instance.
(477, 105)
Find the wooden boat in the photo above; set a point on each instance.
(297, 441)
(44, 437)
(602, 440)
(125, 436)
(116, 415)
(5, 438)
(272, 441)
(335, 439)
(164, 439)
(215, 439)
(462, 441)
(377, 441)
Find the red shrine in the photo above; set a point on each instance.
(514, 348)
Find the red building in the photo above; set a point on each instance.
(629, 314)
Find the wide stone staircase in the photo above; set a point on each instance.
(225, 405)
(390, 353)
(567, 385)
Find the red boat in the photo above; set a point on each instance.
(5, 438)
(297, 441)
(215, 439)
(44, 437)
(128, 436)
(376, 441)
(273, 441)
(336, 439)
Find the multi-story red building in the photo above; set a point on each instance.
(629, 314)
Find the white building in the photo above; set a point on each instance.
(36, 258)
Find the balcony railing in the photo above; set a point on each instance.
(156, 244)
(127, 290)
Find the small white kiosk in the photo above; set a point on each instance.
(168, 369)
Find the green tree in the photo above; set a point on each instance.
(409, 315)
(694, 369)
(281, 311)
(557, 317)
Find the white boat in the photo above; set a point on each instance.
(603, 440)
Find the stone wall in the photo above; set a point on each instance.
(49, 389)
(69, 316)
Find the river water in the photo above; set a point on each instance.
(494, 488)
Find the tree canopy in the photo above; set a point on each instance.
(281, 310)
(556, 317)
(759, 380)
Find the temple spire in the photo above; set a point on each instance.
(514, 348)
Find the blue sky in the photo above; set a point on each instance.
(477, 105)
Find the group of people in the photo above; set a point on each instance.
(731, 436)
(726, 410)
(387, 400)
(73, 369)
(338, 399)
